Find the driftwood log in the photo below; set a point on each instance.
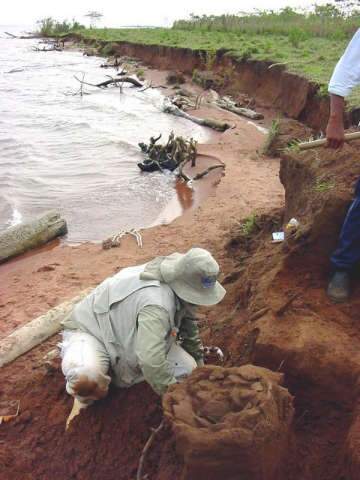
(227, 104)
(37, 331)
(205, 122)
(20, 238)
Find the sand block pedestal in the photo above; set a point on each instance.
(231, 423)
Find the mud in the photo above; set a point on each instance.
(222, 414)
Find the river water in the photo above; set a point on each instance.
(78, 154)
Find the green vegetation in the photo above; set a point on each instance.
(271, 136)
(140, 73)
(108, 49)
(248, 226)
(49, 27)
(292, 147)
(322, 185)
(309, 44)
(328, 21)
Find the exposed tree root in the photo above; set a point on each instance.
(155, 431)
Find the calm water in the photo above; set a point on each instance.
(78, 155)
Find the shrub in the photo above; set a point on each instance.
(49, 26)
(140, 73)
(108, 49)
(296, 36)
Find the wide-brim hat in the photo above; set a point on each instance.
(193, 277)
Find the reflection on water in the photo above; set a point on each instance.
(185, 195)
(76, 154)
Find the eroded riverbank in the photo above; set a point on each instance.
(274, 292)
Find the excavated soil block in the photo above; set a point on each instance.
(231, 423)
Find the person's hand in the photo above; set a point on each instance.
(335, 133)
(335, 126)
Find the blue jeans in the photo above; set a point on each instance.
(347, 254)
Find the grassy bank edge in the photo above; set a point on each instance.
(313, 58)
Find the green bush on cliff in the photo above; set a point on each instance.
(48, 27)
(108, 49)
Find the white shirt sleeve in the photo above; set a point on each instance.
(347, 71)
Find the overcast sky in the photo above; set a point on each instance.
(131, 12)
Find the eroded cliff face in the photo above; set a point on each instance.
(276, 88)
(315, 342)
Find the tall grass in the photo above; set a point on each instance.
(324, 21)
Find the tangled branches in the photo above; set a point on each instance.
(170, 156)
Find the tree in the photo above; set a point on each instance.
(94, 17)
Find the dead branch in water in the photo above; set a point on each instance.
(155, 432)
(21, 37)
(11, 35)
(169, 156)
(114, 81)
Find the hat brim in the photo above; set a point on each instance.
(206, 297)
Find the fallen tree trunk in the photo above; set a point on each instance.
(245, 112)
(36, 331)
(20, 238)
(205, 122)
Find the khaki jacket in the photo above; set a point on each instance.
(137, 321)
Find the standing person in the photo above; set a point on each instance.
(139, 325)
(345, 76)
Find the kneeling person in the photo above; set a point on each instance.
(139, 325)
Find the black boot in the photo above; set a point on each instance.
(339, 287)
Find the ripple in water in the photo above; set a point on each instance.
(77, 155)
